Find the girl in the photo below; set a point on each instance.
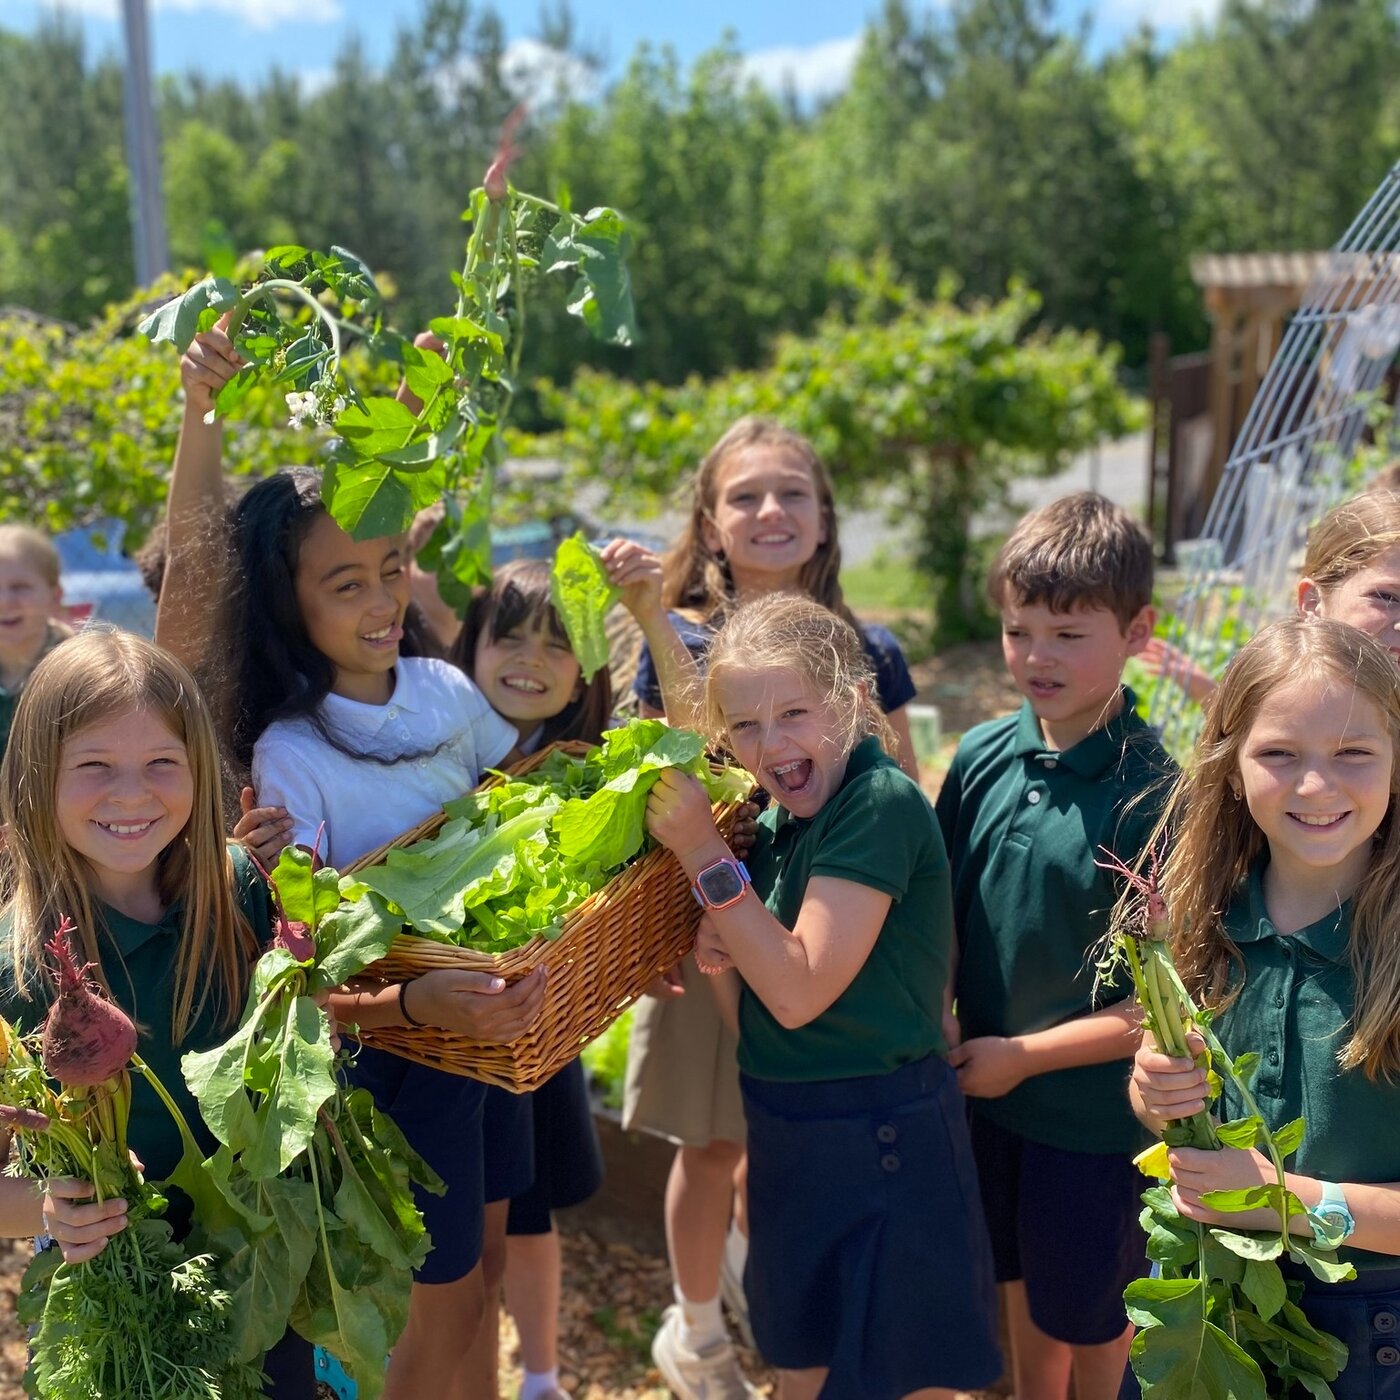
(352, 739)
(514, 648)
(1281, 883)
(762, 519)
(110, 798)
(1351, 574)
(859, 1153)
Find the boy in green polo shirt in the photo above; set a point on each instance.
(30, 600)
(1031, 803)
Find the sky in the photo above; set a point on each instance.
(809, 44)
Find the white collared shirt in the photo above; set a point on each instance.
(434, 711)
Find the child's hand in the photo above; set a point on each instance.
(666, 985)
(209, 363)
(1161, 658)
(711, 956)
(989, 1066)
(1196, 1171)
(477, 1004)
(1169, 1088)
(637, 572)
(264, 831)
(76, 1223)
(744, 835)
(678, 813)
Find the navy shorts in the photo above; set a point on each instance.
(508, 1143)
(868, 1253)
(568, 1161)
(1365, 1314)
(1066, 1225)
(440, 1115)
(290, 1369)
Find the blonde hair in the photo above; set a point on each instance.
(695, 578)
(97, 676)
(791, 632)
(33, 549)
(1352, 536)
(1213, 841)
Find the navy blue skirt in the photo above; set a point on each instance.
(508, 1143)
(568, 1160)
(868, 1253)
(1365, 1314)
(440, 1115)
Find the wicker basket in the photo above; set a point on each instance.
(640, 923)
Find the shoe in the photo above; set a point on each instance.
(731, 1290)
(710, 1374)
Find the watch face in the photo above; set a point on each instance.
(720, 884)
(1333, 1221)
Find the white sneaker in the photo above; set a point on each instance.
(710, 1374)
(731, 1290)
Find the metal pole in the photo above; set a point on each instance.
(142, 151)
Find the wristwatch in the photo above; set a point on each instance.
(719, 885)
(1331, 1218)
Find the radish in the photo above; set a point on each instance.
(87, 1040)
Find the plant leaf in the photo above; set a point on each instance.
(1264, 1286)
(304, 1082)
(583, 595)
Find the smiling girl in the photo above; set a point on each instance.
(110, 798)
(1281, 884)
(859, 1153)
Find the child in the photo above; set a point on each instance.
(1280, 882)
(30, 600)
(350, 737)
(1351, 574)
(514, 648)
(1029, 804)
(762, 519)
(110, 797)
(869, 1272)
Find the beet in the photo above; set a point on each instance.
(295, 937)
(87, 1040)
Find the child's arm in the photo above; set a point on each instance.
(60, 1208)
(475, 1004)
(637, 572)
(993, 1065)
(191, 596)
(796, 973)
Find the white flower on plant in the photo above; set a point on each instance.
(301, 407)
(319, 406)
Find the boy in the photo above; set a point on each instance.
(1030, 804)
(30, 597)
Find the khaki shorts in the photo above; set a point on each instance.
(683, 1069)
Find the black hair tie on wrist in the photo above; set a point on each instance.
(403, 1005)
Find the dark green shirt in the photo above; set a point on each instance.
(10, 698)
(1294, 1011)
(879, 830)
(1025, 825)
(139, 962)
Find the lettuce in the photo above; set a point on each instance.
(582, 595)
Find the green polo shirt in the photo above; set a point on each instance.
(879, 830)
(1024, 825)
(1294, 1011)
(139, 962)
(10, 698)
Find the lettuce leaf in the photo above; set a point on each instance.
(582, 595)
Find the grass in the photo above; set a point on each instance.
(885, 583)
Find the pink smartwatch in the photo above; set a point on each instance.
(719, 885)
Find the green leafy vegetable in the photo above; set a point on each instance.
(582, 595)
(515, 859)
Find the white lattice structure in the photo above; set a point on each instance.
(1293, 458)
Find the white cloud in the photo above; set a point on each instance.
(814, 72)
(1165, 16)
(257, 14)
(537, 74)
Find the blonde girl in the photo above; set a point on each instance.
(1281, 882)
(860, 1160)
(762, 520)
(110, 797)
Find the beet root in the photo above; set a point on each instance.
(87, 1040)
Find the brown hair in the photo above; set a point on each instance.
(518, 596)
(1213, 841)
(1351, 537)
(33, 549)
(1081, 551)
(791, 632)
(694, 577)
(97, 676)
